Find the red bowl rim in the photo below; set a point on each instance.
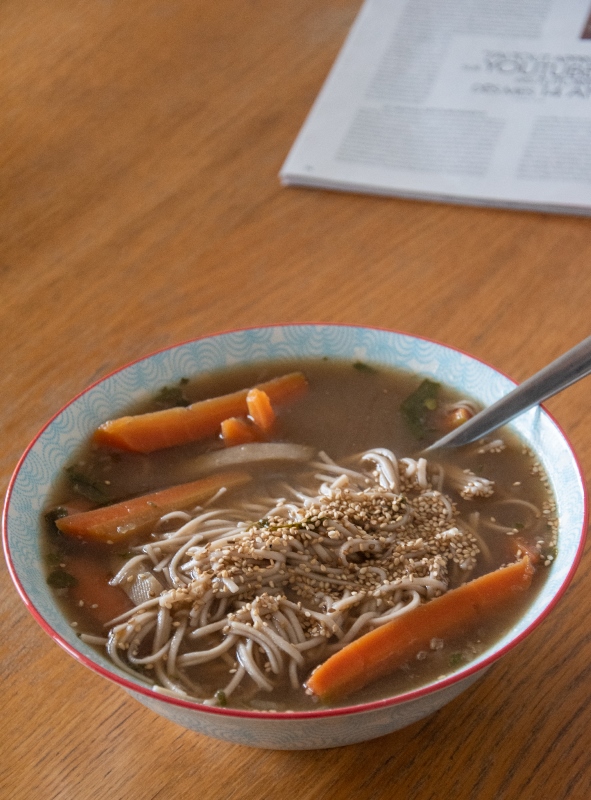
(193, 705)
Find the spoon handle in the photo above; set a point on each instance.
(564, 371)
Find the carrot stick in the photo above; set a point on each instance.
(382, 650)
(93, 589)
(260, 409)
(120, 521)
(156, 430)
(521, 548)
(454, 418)
(236, 430)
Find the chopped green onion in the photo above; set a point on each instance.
(220, 698)
(417, 404)
(52, 516)
(60, 579)
(456, 660)
(361, 366)
(171, 396)
(85, 486)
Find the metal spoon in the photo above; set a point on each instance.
(565, 370)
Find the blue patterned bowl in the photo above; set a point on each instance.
(54, 445)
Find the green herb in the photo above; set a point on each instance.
(518, 526)
(53, 558)
(417, 405)
(363, 367)
(220, 698)
(86, 486)
(456, 660)
(60, 579)
(52, 517)
(171, 396)
(126, 555)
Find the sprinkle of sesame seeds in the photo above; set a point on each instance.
(356, 546)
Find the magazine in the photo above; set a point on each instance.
(470, 101)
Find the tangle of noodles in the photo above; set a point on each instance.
(240, 605)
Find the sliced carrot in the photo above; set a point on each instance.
(237, 430)
(521, 548)
(382, 650)
(157, 430)
(456, 417)
(260, 409)
(93, 590)
(122, 520)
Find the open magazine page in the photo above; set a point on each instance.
(475, 101)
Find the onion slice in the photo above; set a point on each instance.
(249, 454)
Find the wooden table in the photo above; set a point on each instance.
(141, 207)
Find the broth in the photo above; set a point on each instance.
(349, 408)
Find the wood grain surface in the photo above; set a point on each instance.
(141, 207)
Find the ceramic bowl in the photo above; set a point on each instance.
(54, 445)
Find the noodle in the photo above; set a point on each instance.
(258, 599)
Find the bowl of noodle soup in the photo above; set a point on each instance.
(325, 527)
